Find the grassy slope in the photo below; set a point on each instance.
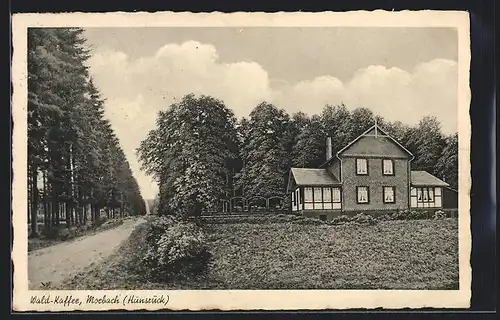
(391, 255)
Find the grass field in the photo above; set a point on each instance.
(417, 254)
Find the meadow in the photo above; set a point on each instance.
(402, 254)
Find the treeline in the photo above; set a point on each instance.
(199, 153)
(76, 167)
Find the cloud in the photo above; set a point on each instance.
(429, 89)
(136, 89)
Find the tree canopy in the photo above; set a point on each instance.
(199, 154)
(191, 153)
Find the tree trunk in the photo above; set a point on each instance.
(67, 213)
(46, 216)
(97, 212)
(85, 214)
(34, 201)
(58, 213)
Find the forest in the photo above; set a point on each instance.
(199, 153)
(76, 166)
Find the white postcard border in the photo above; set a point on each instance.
(241, 299)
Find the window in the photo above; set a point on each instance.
(322, 217)
(293, 199)
(308, 195)
(425, 197)
(389, 195)
(362, 194)
(431, 195)
(336, 195)
(361, 166)
(388, 167)
(327, 195)
(317, 195)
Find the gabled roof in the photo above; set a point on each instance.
(424, 178)
(383, 135)
(313, 177)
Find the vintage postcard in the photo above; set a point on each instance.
(243, 161)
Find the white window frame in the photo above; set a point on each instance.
(358, 193)
(384, 194)
(384, 166)
(359, 165)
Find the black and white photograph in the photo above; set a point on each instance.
(273, 157)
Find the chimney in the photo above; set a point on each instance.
(329, 154)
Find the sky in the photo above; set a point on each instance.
(399, 73)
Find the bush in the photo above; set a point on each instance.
(156, 227)
(410, 215)
(175, 249)
(308, 221)
(340, 220)
(440, 214)
(400, 215)
(99, 222)
(55, 232)
(418, 215)
(385, 217)
(362, 218)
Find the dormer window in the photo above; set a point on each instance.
(361, 166)
(388, 167)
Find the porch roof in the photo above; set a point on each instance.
(424, 178)
(313, 177)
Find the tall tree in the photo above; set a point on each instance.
(447, 164)
(398, 131)
(266, 153)
(309, 150)
(426, 143)
(361, 120)
(68, 137)
(191, 154)
(337, 122)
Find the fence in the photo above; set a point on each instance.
(254, 204)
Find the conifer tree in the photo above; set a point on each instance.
(71, 146)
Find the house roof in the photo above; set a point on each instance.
(313, 177)
(383, 136)
(376, 149)
(423, 178)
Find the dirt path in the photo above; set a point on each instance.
(55, 263)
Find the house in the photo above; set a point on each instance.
(371, 174)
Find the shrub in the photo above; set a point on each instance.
(400, 215)
(99, 222)
(418, 215)
(340, 220)
(362, 218)
(55, 232)
(157, 227)
(175, 249)
(385, 217)
(440, 214)
(308, 221)
(410, 215)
